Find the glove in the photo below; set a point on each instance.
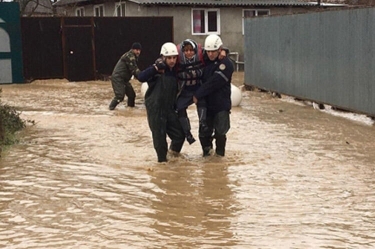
(160, 65)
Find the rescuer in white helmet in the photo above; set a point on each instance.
(160, 99)
(216, 91)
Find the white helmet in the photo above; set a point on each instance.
(212, 43)
(168, 49)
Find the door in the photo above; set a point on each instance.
(79, 48)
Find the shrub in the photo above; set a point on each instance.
(10, 123)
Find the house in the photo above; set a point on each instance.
(195, 19)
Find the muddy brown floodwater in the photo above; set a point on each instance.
(87, 177)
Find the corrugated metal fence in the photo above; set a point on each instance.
(327, 57)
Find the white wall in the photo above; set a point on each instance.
(5, 64)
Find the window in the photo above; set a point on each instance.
(252, 13)
(120, 9)
(205, 21)
(99, 10)
(80, 11)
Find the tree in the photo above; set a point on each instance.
(34, 7)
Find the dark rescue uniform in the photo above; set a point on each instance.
(216, 90)
(125, 68)
(162, 118)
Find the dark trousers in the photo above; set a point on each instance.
(217, 127)
(162, 125)
(121, 90)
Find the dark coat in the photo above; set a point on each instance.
(162, 118)
(125, 68)
(216, 87)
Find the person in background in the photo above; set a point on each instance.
(160, 99)
(216, 90)
(125, 68)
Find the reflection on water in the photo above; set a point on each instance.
(87, 177)
(194, 205)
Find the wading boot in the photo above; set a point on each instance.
(206, 151)
(221, 141)
(202, 114)
(131, 102)
(113, 104)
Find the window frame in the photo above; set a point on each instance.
(80, 11)
(256, 14)
(206, 21)
(122, 6)
(99, 7)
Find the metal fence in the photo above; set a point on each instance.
(327, 57)
(85, 48)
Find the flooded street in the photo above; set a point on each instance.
(87, 177)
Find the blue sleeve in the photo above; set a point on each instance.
(220, 77)
(147, 74)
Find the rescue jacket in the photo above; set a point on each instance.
(162, 89)
(216, 85)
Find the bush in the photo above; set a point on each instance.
(10, 123)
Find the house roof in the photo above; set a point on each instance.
(210, 3)
(43, 6)
(220, 2)
(69, 2)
